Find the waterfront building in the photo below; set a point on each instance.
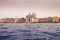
(12, 20)
(15, 20)
(48, 19)
(55, 19)
(59, 19)
(9, 20)
(29, 18)
(42, 20)
(32, 18)
(23, 20)
(19, 20)
(33, 15)
(2, 20)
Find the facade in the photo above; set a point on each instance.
(32, 18)
(18, 20)
(42, 20)
(9, 20)
(15, 20)
(55, 19)
(59, 19)
(22, 20)
(35, 20)
(48, 19)
(12, 20)
(29, 18)
(2, 20)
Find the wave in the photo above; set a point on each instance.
(30, 31)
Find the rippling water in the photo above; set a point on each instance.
(24, 31)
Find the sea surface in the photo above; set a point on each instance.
(33, 31)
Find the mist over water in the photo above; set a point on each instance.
(34, 31)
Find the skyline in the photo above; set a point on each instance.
(22, 13)
(20, 8)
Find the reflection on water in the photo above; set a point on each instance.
(24, 31)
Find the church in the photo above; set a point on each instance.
(32, 18)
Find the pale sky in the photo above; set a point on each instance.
(20, 8)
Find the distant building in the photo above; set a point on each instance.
(8, 20)
(12, 20)
(23, 20)
(55, 19)
(48, 19)
(2, 20)
(32, 18)
(33, 15)
(15, 20)
(29, 18)
(42, 20)
(19, 20)
(59, 19)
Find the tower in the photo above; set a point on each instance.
(33, 13)
(15, 21)
(29, 18)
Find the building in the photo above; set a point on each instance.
(55, 19)
(59, 20)
(48, 19)
(12, 20)
(18, 20)
(15, 20)
(9, 20)
(23, 20)
(29, 18)
(35, 20)
(2, 20)
(32, 18)
(42, 20)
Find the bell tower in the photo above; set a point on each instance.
(34, 14)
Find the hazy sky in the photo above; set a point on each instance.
(20, 8)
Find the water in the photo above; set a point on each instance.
(34, 31)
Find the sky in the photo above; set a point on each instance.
(21, 8)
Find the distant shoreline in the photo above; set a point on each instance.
(29, 23)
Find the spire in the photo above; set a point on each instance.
(33, 13)
(15, 19)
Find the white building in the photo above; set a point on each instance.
(31, 18)
(15, 21)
